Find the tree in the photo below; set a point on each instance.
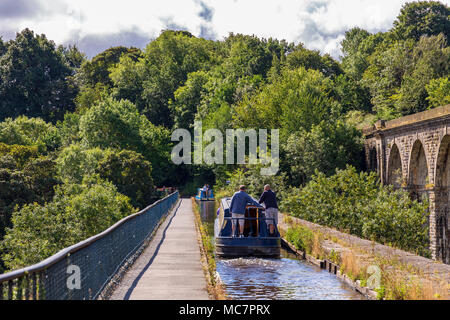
(249, 55)
(422, 18)
(74, 163)
(97, 70)
(438, 92)
(77, 212)
(35, 79)
(111, 124)
(30, 132)
(187, 99)
(25, 177)
(431, 59)
(165, 66)
(131, 174)
(3, 47)
(327, 147)
(118, 125)
(384, 76)
(298, 99)
(313, 60)
(351, 94)
(73, 56)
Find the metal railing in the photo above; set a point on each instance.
(261, 231)
(82, 271)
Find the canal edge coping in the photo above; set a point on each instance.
(332, 268)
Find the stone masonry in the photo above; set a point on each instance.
(412, 152)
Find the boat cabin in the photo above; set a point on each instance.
(256, 240)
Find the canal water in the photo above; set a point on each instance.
(274, 279)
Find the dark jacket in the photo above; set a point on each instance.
(239, 202)
(270, 199)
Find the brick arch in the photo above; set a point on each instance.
(442, 175)
(395, 167)
(418, 166)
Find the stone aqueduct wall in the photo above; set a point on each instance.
(413, 152)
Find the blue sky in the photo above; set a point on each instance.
(95, 25)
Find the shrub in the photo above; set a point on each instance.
(301, 237)
(77, 212)
(357, 203)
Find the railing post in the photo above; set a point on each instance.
(27, 287)
(33, 288)
(19, 288)
(41, 290)
(10, 289)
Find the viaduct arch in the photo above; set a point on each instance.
(413, 153)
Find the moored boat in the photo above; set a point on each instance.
(205, 195)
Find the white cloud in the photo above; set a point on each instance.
(319, 24)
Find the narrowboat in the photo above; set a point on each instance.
(203, 195)
(256, 242)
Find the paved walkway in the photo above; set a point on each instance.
(170, 267)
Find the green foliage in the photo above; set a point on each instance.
(35, 79)
(77, 212)
(298, 99)
(111, 124)
(131, 174)
(301, 237)
(24, 177)
(19, 155)
(74, 163)
(438, 92)
(97, 70)
(165, 66)
(358, 204)
(326, 147)
(431, 59)
(118, 125)
(30, 132)
(248, 55)
(398, 74)
(351, 94)
(309, 59)
(357, 46)
(69, 129)
(422, 18)
(187, 99)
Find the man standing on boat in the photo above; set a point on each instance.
(270, 201)
(238, 205)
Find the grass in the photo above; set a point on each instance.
(214, 288)
(399, 281)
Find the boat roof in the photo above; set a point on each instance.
(226, 202)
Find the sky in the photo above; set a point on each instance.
(96, 25)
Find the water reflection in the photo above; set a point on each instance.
(280, 279)
(274, 279)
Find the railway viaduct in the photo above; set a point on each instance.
(412, 152)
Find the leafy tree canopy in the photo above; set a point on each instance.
(35, 79)
(422, 18)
